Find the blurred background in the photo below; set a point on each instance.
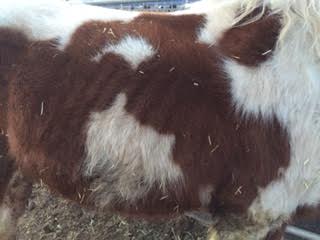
(140, 5)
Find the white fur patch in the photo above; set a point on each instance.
(205, 196)
(7, 224)
(134, 50)
(287, 86)
(220, 16)
(54, 19)
(128, 158)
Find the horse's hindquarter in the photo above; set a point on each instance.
(138, 117)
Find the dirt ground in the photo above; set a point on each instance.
(48, 217)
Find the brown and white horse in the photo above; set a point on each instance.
(213, 112)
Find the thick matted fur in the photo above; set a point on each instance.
(212, 111)
(128, 158)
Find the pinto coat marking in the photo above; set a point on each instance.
(200, 120)
(134, 50)
(129, 159)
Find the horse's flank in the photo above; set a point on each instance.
(157, 115)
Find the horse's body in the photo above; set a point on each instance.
(157, 115)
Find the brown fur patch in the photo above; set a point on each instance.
(12, 45)
(251, 44)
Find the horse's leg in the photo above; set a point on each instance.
(14, 193)
(6, 172)
(13, 204)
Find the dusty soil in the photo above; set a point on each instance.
(48, 217)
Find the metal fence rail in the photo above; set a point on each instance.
(138, 5)
(302, 233)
